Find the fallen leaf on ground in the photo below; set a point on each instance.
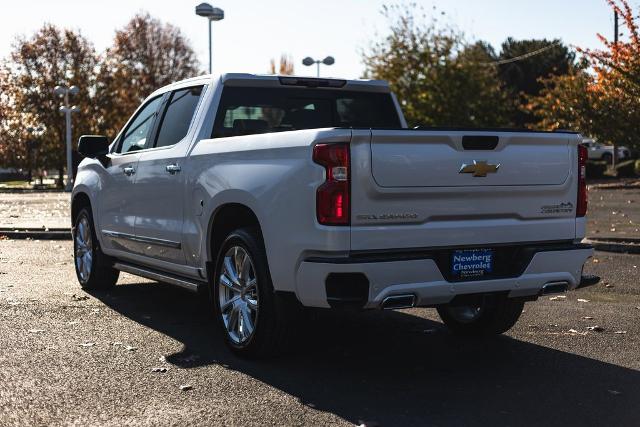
(588, 318)
(35, 331)
(185, 387)
(79, 297)
(159, 369)
(573, 331)
(620, 332)
(595, 328)
(583, 300)
(130, 348)
(87, 344)
(608, 285)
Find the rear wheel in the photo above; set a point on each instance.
(94, 269)
(489, 316)
(255, 321)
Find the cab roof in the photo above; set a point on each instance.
(274, 80)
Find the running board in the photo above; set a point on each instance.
(190, 285)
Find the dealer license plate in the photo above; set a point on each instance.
(471, 263)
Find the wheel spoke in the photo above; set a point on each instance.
(247, 323)
(85, 230)
(252, 303)
(233, 319)
(239, 257)
(228, 283)
(251, 284)
(245, 268)
(230, 271)
(229, 303)
(81, 230)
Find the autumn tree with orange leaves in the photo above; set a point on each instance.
(603, 102)
(285, 67)
(146, 54)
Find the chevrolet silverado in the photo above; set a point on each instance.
(272, 193)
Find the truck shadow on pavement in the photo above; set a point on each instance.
(393, 368)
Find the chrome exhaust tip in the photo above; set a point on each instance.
(395, 302)
(555, 288)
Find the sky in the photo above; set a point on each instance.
(254, 31)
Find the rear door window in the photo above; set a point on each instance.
(177, 116)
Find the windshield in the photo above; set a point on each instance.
(245, 111)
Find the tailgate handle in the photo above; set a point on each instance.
(479, 142)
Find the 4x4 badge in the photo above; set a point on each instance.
(479, 168)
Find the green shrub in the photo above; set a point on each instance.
(626, 169)
(596, 169)
(637, 168)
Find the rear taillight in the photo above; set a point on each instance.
(332, 197)
(581, 208)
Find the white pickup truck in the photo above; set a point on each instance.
(271, 193)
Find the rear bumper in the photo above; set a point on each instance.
(420, 275)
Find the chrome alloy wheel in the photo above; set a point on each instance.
(238, 295)
(84, 249)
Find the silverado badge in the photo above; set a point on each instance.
(479, 168)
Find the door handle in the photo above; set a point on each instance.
(129, 170)
(172, 169)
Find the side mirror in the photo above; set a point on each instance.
(93, 146)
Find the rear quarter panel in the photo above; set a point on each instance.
(273, 175)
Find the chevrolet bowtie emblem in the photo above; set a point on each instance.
(479, 169)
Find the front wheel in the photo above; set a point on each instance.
(488, 316)
(255, 321)
(94, 269)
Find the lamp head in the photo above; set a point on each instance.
(328, 60)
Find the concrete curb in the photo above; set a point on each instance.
(36, 233)
(614, 186)
(30, 190)
(615, 244)
(610, 244)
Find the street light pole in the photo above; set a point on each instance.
(64, 92)
(212, 14)
(210, 49)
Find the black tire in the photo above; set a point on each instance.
(101, 274)
(273, 319)
(607, 158)
(491, 316)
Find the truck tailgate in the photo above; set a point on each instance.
(421, 189)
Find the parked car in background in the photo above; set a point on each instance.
(272, 193)
(599, 151)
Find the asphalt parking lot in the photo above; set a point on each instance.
(67, 360)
